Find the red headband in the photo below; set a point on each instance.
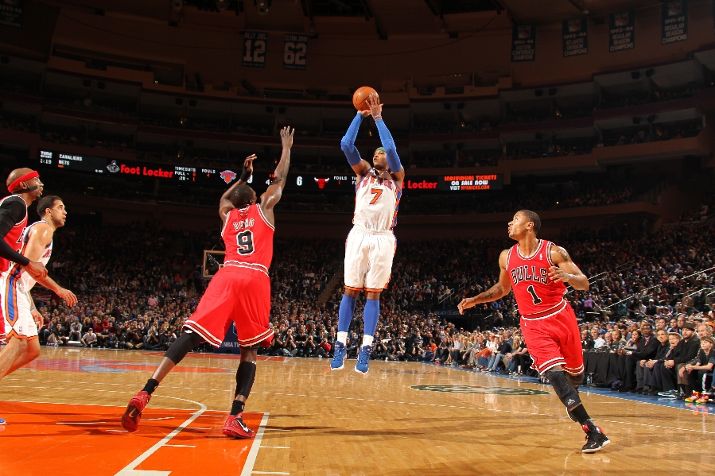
(24, 178)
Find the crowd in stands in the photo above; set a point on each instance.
(652, 132)
(138, 284)
(610, 99)
(445, 126)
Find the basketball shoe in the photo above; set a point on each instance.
(2, 421)
(235, 427)
(363, 359)
(338, 361)
(704, 398)
(692, 398)
(595, 439)
(133, 413)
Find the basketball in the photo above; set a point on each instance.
(360, 97)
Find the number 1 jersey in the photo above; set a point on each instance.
(248, 237)
(536, 295)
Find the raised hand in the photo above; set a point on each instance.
(287, 137)
(248, 163)
(373, 102)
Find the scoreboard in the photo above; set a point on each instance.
(119, 168)
(426, 183)
(218, 177)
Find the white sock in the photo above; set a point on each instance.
(366, 340)
(343, 337)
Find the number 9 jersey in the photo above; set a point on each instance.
(240, 292)
(248, 237)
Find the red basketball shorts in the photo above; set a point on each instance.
(554, 340)
(238, 295)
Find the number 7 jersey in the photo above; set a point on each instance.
(536, 295)
(376, 202)
(248, 237)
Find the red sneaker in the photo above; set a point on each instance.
(133, 413)
(236, 428)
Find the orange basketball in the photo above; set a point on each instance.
(360, 97)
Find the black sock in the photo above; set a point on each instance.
(581, 414)
(237, 407)
(151, 385)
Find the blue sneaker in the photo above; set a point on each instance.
(363, 359)
(2, 422)
(338, 361)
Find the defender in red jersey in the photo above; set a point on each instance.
(537, 271)
(25, 187)
(239, 292)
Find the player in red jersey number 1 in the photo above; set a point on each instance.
(239, 293)
(537, 270)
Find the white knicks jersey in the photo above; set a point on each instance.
(27, 281)
(376, 202)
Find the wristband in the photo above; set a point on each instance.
(245, 175)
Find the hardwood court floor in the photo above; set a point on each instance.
(63, 418)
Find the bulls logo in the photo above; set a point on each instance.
(322, 182)
(228, 176)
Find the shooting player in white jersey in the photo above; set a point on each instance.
(370, 246)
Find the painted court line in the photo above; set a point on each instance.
(81, 423)
(179, 446)
(130, 469)
(253, 454)
(269, 472)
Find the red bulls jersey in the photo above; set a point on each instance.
(248, 237)
(536, 295)
(13, 237)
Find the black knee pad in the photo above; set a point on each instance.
(575, 380)
(182, 346)
(245, 376)
(563, 388)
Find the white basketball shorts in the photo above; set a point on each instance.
(16, 307)
(368, 259)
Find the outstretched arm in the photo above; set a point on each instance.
(498, 291)
(388, 143)
(273, 193)
(347, 145)
(566, 270)
(224, 204)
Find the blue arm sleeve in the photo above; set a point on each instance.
(393, 160)
(347, 143)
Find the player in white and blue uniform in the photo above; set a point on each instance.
(370, 246)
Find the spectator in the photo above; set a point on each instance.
(89, 339)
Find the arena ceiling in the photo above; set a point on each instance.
(523, 11)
